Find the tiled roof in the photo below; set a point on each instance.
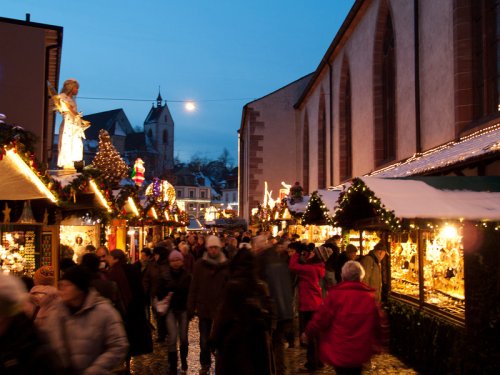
(107, 120)
(155, 113)
(479, 144)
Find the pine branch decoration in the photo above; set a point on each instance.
(109, 161)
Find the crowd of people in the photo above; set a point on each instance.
(245, 292)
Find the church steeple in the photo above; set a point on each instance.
(159, 99)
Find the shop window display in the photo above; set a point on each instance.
(17, 251)
(442, 268)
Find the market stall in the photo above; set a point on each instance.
(316, 221)
(442, 267)
(27, 215)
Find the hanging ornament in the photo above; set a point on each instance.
(27, 215)
(138, 172)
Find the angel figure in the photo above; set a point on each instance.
(71, 131)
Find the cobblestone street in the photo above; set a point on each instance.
(156, 363)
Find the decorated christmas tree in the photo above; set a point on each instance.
(109, 161)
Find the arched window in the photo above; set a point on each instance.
(384, 88)
(165, 136)
(322, 142)
(486, 57)
(305, 154)
(345, 124)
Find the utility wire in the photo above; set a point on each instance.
(167, 100)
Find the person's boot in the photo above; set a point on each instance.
(172, 363)
(184, 354)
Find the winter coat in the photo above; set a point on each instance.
(209, 279)
(242, 329)
(151, 279)
(309, 275)
(273, 269)
(350, 325)
(136, 324)
(45, 299)
(92, 340)
(373, 273)
(24, 352)
(178, 284)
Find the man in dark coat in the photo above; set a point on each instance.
(241, 332)
(205, 294)
(273, 269)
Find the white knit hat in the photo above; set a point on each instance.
(212, 241)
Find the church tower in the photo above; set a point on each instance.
(159, 131)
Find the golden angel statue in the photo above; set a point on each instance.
(72, 129)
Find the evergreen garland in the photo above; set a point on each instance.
(316, 212)
(359, 203)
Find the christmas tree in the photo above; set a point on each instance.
(109, 161)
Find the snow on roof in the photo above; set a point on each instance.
(329, 198)
(416, 199)
(299, 207)
(477, 144)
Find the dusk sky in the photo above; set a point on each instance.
(221, 54)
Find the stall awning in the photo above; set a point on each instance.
(450, 197)
(19, 182)
(194, 225)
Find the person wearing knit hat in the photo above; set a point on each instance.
(44, 296)
(205, 294)
(213, 241)
(79, 277)
(44, 276)
(176, 290)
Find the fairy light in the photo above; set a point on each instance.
(28, 173)
(99, 195)
(133, 206)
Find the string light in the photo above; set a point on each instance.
(28, 173)
(99, 195)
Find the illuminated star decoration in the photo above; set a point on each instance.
(6, 213)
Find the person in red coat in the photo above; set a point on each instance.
(309, 270)
(350, 324)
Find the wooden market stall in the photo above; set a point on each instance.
(442, 279)
(28, 228)
(314, 215)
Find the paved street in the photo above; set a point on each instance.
(156, 363)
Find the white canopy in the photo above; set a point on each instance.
(417, 199)
(19, 182)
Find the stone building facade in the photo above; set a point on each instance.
(399, 79)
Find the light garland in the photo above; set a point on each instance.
(28, 173)
(316, 200)
(133, 206)
(99, 195)
(449, 161)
